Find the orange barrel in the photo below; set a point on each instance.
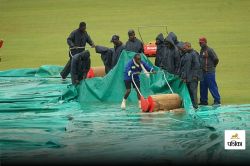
(99, 71)
(164, 102)
(96, 72)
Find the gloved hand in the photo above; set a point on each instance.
(154, 72)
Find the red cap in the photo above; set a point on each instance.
(1, 43)
(202, 40)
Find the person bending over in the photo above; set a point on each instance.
(80, 65)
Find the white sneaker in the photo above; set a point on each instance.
(123, 105)
(139, 104)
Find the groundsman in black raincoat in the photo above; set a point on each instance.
(80, 65)
(171, 60)
(160, 51)
(77, 38)
(189, 71)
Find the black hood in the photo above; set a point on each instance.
(160, 37)
(172, 38)
(169, 40)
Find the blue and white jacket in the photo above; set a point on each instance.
(132, 67)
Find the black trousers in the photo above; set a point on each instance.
(192, 89)
(66, 70)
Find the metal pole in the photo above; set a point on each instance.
(135, 83)
(152, 73)
(140, 35)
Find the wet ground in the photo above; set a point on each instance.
(37, 125)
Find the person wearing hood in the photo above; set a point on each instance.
(118, 48)
(209, 61)
(132, 70)
(80, 65)
(189, 67)
(160, 51)
(106, 56)
(171, 60)
(133, 44)
(174, 38)
(77, 41)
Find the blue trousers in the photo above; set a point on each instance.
(209, 82)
